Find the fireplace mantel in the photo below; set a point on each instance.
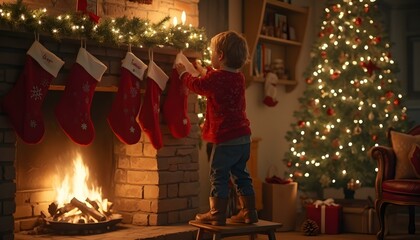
(168, 196)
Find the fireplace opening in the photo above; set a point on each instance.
(57, 167)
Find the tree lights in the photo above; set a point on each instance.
(352, 98)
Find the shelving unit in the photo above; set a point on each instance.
(256, 16)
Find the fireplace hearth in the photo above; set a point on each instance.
(147, 187)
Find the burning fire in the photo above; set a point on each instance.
(75, 184)
(76, 201)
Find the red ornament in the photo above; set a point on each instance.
(403, 116)
(357, 40)
(289, 164)
(301, 123)
(376, 40)
(374, 137)
(358, 21)
(309, 80)
(366, 9)
(356, 84)
(336, 8)
(389, 94)
(324, 54)
(335, 75)
(370, 67)
(330, 112)
(396, 102)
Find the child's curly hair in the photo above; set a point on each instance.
(234, 48)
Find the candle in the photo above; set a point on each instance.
(183, 17)
(175, 21)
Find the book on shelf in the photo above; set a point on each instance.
(262, 59)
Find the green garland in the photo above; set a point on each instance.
(119, 31)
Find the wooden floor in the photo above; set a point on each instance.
(343, 236)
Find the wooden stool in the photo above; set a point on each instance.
(237, 229)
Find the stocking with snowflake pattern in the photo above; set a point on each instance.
(73, 109)
(124, 110)
(176, 103)
(149, 112)
(24, 102)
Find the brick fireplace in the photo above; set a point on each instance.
(147, 187)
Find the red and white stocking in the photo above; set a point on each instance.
(270, 90)
(176, 103)
(126, 105)
(149, 112)
(24, 102)
(73, 109)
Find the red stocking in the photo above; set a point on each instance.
(149, 112)
(23, 103)
(73, 109)
(176, 104)
(126, 105)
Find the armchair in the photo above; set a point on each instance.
(393, 185)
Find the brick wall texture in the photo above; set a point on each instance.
(150, 187)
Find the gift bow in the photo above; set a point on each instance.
(326, 202)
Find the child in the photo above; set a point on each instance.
(226, 126)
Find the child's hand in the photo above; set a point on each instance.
(200, 68)
(180, 68)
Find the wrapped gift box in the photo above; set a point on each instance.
(359, 216)
(279, 204)
(328, 218)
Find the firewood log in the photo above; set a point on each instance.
(66, 208)
(87, 210)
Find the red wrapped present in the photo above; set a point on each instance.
(326, 214)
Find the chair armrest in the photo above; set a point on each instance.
(386, 159)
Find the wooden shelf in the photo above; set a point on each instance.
(256, 13)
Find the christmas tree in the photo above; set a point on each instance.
(352, 97)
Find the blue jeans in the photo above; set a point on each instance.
(230, 161)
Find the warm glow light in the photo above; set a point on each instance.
(74, 184)
(175, 21)
(183, 17)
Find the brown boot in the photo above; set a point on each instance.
(217, 213)
(248, 213)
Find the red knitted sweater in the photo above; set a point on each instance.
(225, 114)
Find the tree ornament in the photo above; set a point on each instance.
(357, 130)
(330, 112)
(342, 58)
(389, 94)
(357, 40)
(335, 75)
(358, 21)
(309, 80)
(335, 143)
(376, 40)
(366, 9)
(324, 54)
(297, 174)
(371, 116)
(289, 164)
(356, 84)
(310, 228)
(301, 123)
(374, 137)
(370, 67)
(396, 102)
(336, 8)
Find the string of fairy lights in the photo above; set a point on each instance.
(121, 31)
